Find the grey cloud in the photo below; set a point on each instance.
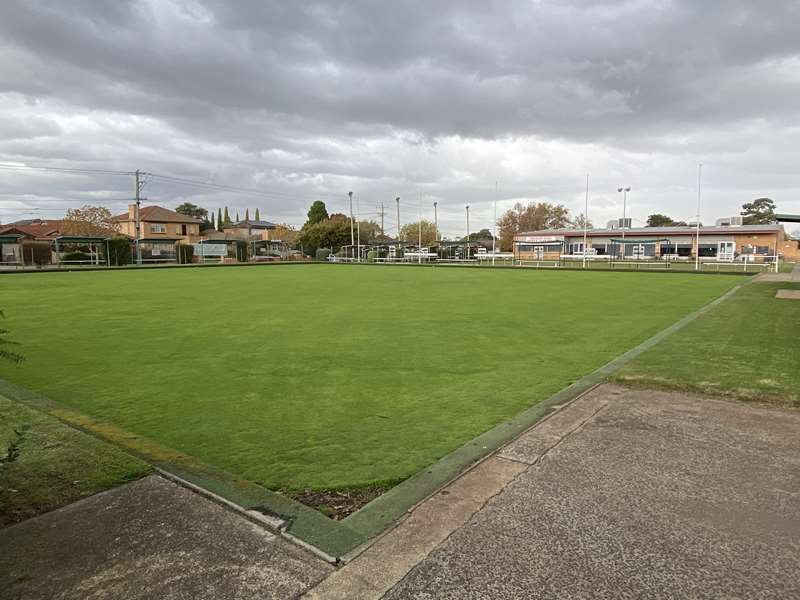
(308, 98)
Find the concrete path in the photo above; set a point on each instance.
(150, 539)
(623, 494)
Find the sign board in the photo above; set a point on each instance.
(535, 239)
(155, 252)
(210, 250)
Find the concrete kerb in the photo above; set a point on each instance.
(338, 541)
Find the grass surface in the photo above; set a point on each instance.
(326, 376)
(45, 464)
(748, 347)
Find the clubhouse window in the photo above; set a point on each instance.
(158, 228)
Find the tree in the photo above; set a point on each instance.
(410, 232)
(483, 234)
(333, 232)
(258, 217)
(759, 211)
(4, 341)
(531, 217)
(285, 233)
(213, 223)
(247, 214)
(317, 213)
(89, 220)
(226, 219)
(659, 220)
(237, 216)
(219, 219)
(192, 210)
(582, 222)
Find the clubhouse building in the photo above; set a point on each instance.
(723, 242)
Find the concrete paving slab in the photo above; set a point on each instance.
(150, 539)
(788, 294)
(376, 570)
(534, 444)
(659, 495)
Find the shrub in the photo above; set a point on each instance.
(322, 254)
(75, 256)
(184, 253)
(241, 251)
(372, 255)
(119, 251)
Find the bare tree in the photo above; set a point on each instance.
(89, 220)
(531, 217)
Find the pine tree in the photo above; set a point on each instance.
(219, 219)
(237, 216)
(226, 220)
(258, 217)
(213, 222)
(246, 214)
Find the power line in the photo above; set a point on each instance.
(7, 167)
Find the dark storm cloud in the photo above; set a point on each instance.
(472, 69)
(305, 95)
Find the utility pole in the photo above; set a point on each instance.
(467, 231)
(138, 217)
(397, 200)
(352, 231)
(382, 234)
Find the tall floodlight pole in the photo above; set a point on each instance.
(358, 229)
(419, 227)
(436, 219)
(494, 225)
(624, 191)
(352, 230)
(697, 224)
(586, 221)
(467, 231)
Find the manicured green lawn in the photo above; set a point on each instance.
(45, 464)
(748, 347)
(326, 376)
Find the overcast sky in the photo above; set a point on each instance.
(425, 100)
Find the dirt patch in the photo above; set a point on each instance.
(337, 504)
